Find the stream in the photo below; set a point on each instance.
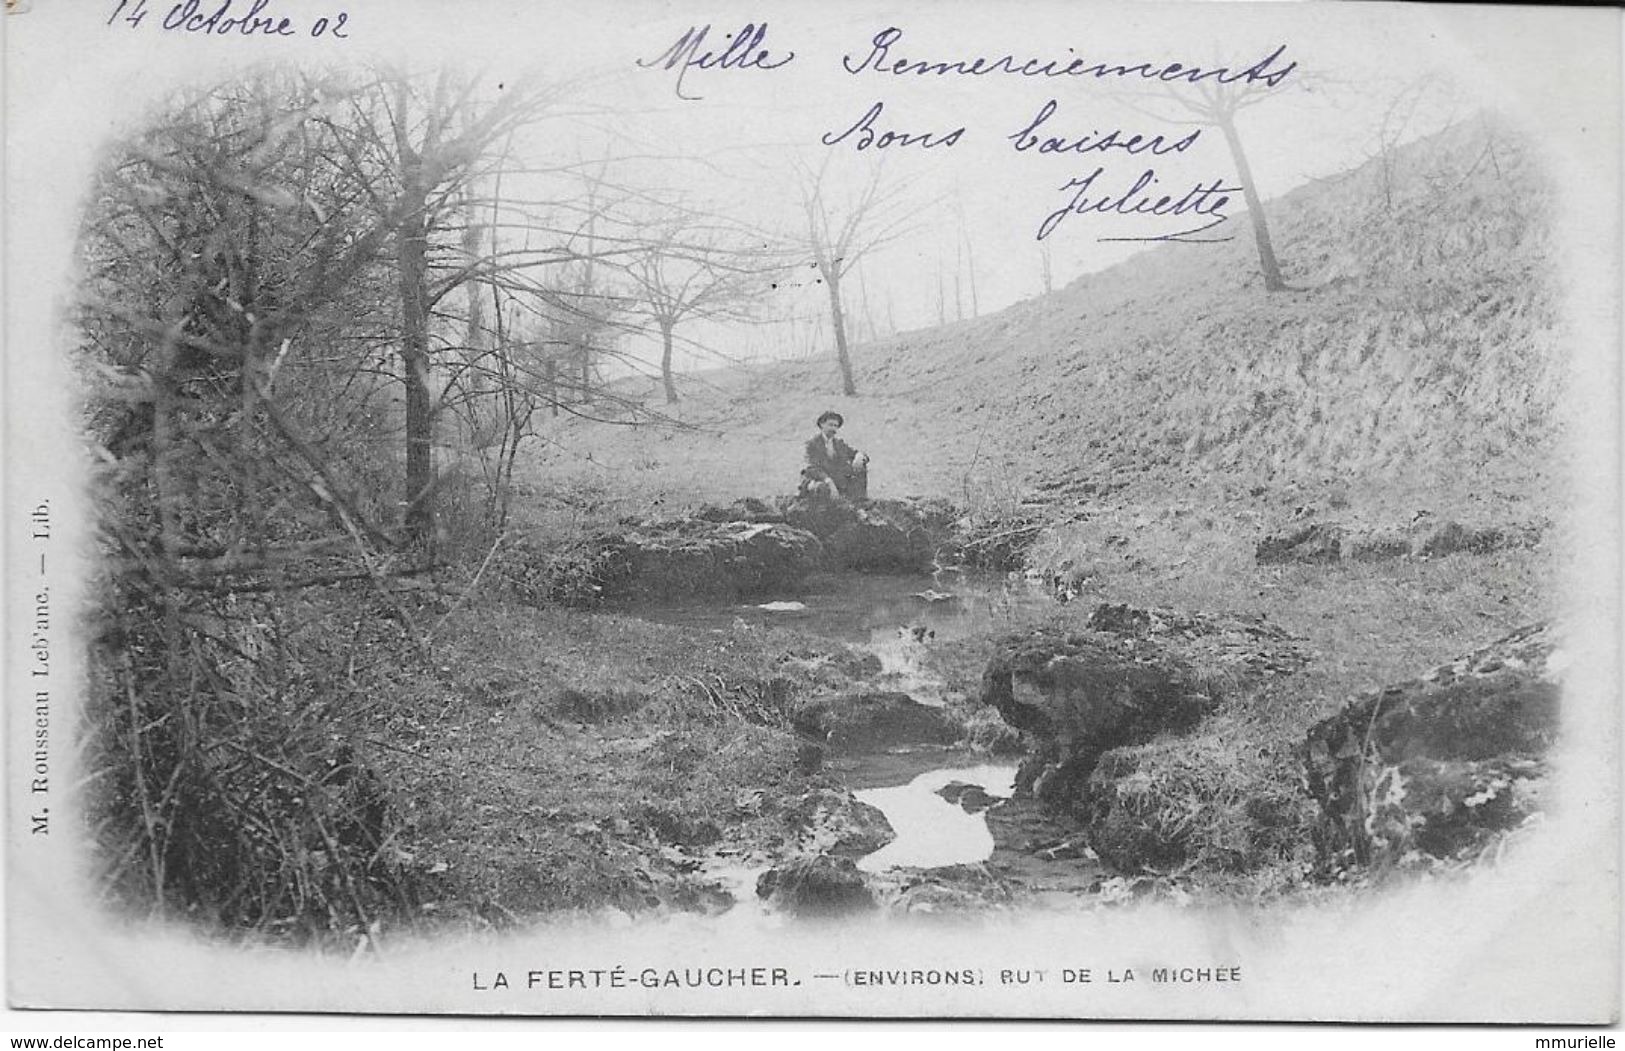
(931, 831)
(895, 617)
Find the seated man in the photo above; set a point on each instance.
(834, 467)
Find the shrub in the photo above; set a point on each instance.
(227, 787)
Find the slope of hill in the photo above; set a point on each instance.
(1417, 351)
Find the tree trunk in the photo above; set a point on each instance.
(832, 281)
(475, 332)
(589, 321)
(1255, 208)
(665, 363)
(970, 273)
(413, 267)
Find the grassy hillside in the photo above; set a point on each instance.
(1417, 353)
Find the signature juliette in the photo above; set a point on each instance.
(1206, 200)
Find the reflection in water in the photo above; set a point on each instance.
(902, 664)
(930, 830)
(894, 617)
(866, 608)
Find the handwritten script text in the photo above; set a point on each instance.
(743, 50)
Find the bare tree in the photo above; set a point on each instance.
(1214, 104)
(416, 146)
(840, 233)
(692, 268)
(1416, 103)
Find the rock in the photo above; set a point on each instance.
(878, 535)
(1236, 648)
(1436, 540)
(1081, 694)
(1120, 752)
(1375, 546)
(825, 821)
(728, 559)
(973, 799)
(1326, 542)
(1314, 542)
(874, 721)
(817, 887)
(707, 898)
(664, 560)
(1120, 619)
(953, 889)
(748, 509)
(744, 549)
(1440, 765)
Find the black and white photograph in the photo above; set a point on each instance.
(963, 510)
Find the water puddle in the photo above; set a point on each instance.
(931, 831)
(874, 609)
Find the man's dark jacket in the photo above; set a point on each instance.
(821, 465)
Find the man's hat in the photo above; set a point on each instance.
(831, 414)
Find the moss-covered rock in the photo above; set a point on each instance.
(1320, 543)
(1116, 716)
(820, 886)
(825, 821)
(1440, 764)
(1079, 694)
(1312, 542)
(665, 560)
(894, 536)
(951, 889)
(874, 720)
(725, 559)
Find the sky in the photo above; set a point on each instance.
(730, 139)
(733, 140)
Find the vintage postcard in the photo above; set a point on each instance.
(1027, 510)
